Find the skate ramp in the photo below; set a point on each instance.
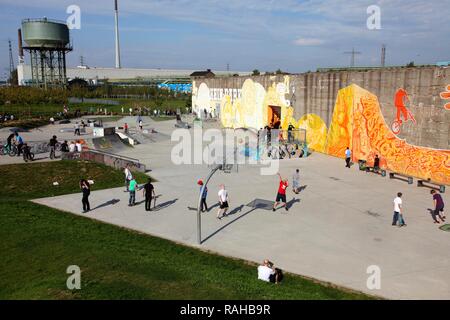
(111, 143)
(359, 124)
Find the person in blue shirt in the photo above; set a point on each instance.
(348, 157)
(19, 142)
(203, 205)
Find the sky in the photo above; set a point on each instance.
(291, 35)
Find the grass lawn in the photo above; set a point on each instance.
(39, 243)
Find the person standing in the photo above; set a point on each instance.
(149, 193)
(86, 190)
(77, 129)
(128, 177)
(125, 128)
(223, 202)
(348, 157)
(376, 164)
(296, 181)
(398, 211)
(52, 145)
(203, 205)
(72, 147)
(281, 194)
(9, 142)
(132, 189)
(19, 142)
(140, 125)
(438, 203)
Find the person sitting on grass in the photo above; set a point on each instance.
(267, 272)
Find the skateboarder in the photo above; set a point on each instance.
(281, 194)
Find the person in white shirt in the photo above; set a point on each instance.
(398, 211)
(72, 147)
(348, 157)
(78, 146)
(267, 272)
(128, 176)
(223, 202)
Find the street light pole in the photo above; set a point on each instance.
(199, 222)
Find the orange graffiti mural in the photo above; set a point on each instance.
(446, 96)
(358, 123)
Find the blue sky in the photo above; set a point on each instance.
(294, 35)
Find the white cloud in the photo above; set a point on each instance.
(308, 42)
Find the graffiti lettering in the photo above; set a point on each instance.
(446, 96)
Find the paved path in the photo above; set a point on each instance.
(337, 227)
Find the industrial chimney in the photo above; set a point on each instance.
(116, 16)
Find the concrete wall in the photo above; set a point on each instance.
(316, 93)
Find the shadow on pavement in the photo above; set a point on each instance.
(229, 223)
(107, 203)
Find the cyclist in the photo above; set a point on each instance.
(52, 144)
(400, 96)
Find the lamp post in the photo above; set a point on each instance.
(199, 222)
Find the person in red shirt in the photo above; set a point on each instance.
(281, 195)
(401, 96)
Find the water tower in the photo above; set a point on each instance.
(47, 41)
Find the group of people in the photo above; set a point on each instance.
(132, 187)
(223, 199)
(7, 117)
(436, 212)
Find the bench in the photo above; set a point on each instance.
(364, 167)
(434, 185)
(393, 175)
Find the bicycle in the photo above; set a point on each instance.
(397, 123)
(27, 154)
(9, 150)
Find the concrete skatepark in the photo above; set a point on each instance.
(337, 227)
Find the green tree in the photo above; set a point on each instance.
(256, 72)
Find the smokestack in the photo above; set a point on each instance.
(116, 16)
(19, 41)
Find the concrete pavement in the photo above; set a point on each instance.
(336, 228)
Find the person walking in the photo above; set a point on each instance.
(52, 145)
(86, 190)
(438, 204)
(223, 202)
(296, 182)
(398, 211)
(132, 190)
(203, 205)
(281, 194)
(128, 177)
(348, 157)
(149, 193)
(77, 129)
